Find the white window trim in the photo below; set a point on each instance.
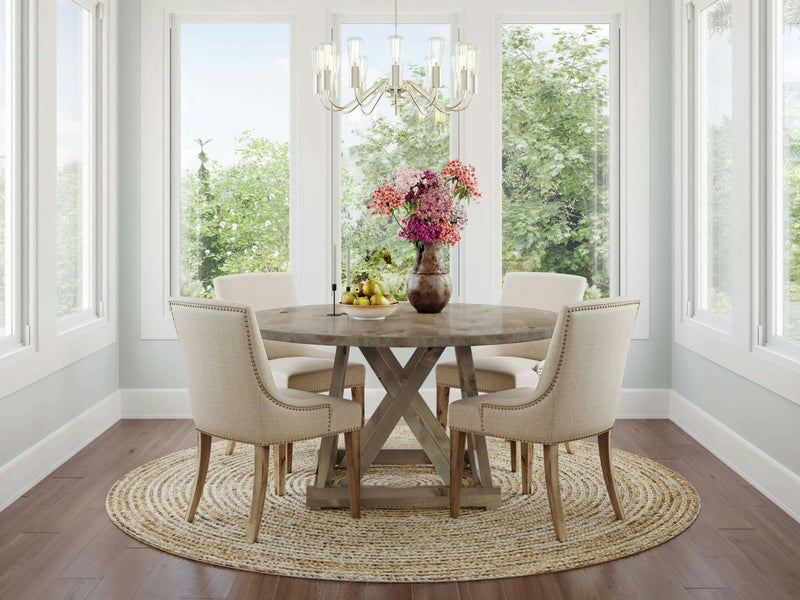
(156, 211)
(45, 351)
(738, 351)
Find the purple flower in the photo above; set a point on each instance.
(417, 230)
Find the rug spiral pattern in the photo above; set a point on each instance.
(399, 545)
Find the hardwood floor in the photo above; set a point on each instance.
(56, 542)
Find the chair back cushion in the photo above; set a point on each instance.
(548, 291)
(262, 291)
(582, 374)
(231, 390)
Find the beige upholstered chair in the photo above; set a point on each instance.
(233, 396)
(577, 396)
(510, 366)
(294, 366)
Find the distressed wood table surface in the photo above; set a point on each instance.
(459, 325)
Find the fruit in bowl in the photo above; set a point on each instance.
(368, 300)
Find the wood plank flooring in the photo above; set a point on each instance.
(56, 542)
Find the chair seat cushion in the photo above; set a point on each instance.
(312, 374)
(475, 416)
(345, 415)
(493, 373)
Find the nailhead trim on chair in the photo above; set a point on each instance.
(254, 365)
(550, 387)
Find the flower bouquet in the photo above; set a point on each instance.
(429, 209)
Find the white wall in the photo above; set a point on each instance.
(31, 414)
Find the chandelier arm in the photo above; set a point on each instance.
(463, 102)
(369, 110)
(423, 110)
(431, 100)
(364, 100)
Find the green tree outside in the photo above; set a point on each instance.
(555, 153)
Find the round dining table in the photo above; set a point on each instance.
(458, 325)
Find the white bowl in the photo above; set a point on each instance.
(371, 312)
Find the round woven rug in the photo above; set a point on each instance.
(398, 545)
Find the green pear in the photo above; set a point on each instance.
(363, 301)
(347, 297)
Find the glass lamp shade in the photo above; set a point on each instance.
(395, 45)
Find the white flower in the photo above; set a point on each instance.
(268, 223)
(255, 248)
(234, 226)
(222, 224)
(229, 252)
(207, 251)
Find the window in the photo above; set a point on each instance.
(230, 169)
(713, 193)
(7, 207)
(559, 177)
(76, 156)
(371, 147)
(783, 302)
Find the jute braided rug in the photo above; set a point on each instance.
(403, 545)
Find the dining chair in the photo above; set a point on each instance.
(233, 396)
(511, 366)
(576, 397)
(294, 366)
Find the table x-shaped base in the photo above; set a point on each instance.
(403, 400)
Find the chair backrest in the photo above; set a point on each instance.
(582, 375)
(262, 291)
(231, 390)
(548, 291)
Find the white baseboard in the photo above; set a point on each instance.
(27, 469)
(770, 477)
(174, 403)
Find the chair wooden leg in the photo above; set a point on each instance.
(289, 452)
(230, 447)
(458, 443)
(554, 490)
(279, 468)
(526, 465)
(442, 404)
(513, 446)
(203, 454)
(357, 392)
(259, 492)
(352, 449)
(604, 444)
(568, 447)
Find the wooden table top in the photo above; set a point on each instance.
(456, 325)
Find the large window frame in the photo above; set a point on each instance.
(45, 343)
(617, 201)
(477, 267)
(160, 232)
(14, 247)
(93, 210)
(746, 346)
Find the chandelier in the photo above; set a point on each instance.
(464, 65)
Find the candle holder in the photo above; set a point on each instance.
(333, 312)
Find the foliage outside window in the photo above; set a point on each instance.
(786, 237)
(373, 147)
(74, 154)
(556, 151)
(234, 181)
(713, 197)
